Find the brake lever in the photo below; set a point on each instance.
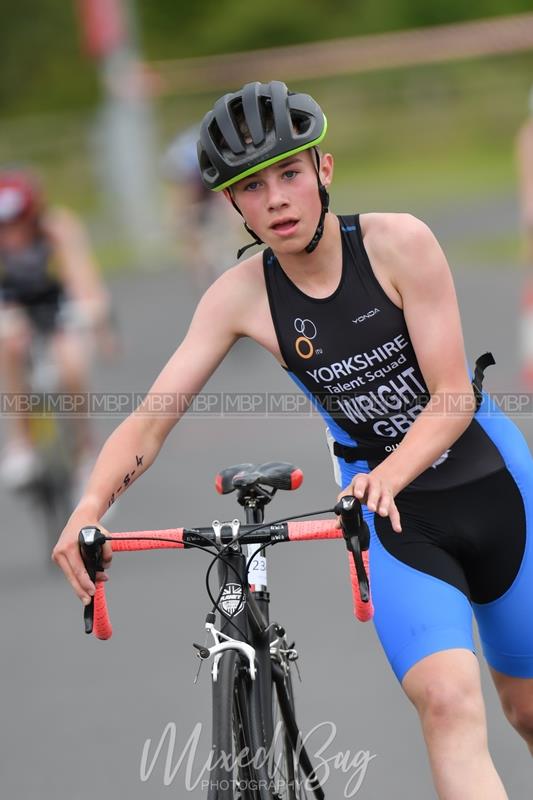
(357, 538)
(90, 540)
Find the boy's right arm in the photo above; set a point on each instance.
(135, 443)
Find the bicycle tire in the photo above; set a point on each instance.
(231, 734)
(282, 769)
(52, 491)
(55, 504)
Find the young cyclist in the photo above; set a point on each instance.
(49, 284)
(361, 311)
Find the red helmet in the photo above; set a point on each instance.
(19, 196)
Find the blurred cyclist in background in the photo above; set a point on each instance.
(204, 224)
(49, 285)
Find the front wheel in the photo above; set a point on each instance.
(244, 766)
(232, 775)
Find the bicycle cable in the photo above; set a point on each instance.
(205, 549)
(243, 584)
(220, 555)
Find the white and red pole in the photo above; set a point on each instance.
(126, 146)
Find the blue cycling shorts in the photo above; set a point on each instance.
(463, 552)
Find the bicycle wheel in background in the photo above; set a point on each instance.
(292, 771)
(287, 775)
(51, 493)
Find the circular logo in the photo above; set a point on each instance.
(307, 330)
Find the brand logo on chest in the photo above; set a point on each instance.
(368, 315)
(307, 331)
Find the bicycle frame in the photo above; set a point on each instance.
(256, 607)
(255, 629)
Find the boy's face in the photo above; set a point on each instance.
(281, 203)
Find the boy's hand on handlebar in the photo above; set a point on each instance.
(377, 494)
(66, 554)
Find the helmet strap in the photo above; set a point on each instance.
(324, 199)
(254, 236)
(246, 247)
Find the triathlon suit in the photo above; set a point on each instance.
(25, 280)
(467, 521)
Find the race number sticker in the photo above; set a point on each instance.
(257, 574)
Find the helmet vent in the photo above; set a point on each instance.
(241, 124)
(300, 122)
(216, 134)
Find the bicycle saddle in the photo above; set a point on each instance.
(276, 474)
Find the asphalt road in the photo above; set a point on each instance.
(76, 712)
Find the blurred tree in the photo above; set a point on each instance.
(231, 25)
(44, 68)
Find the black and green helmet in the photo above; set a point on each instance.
(253, 128)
